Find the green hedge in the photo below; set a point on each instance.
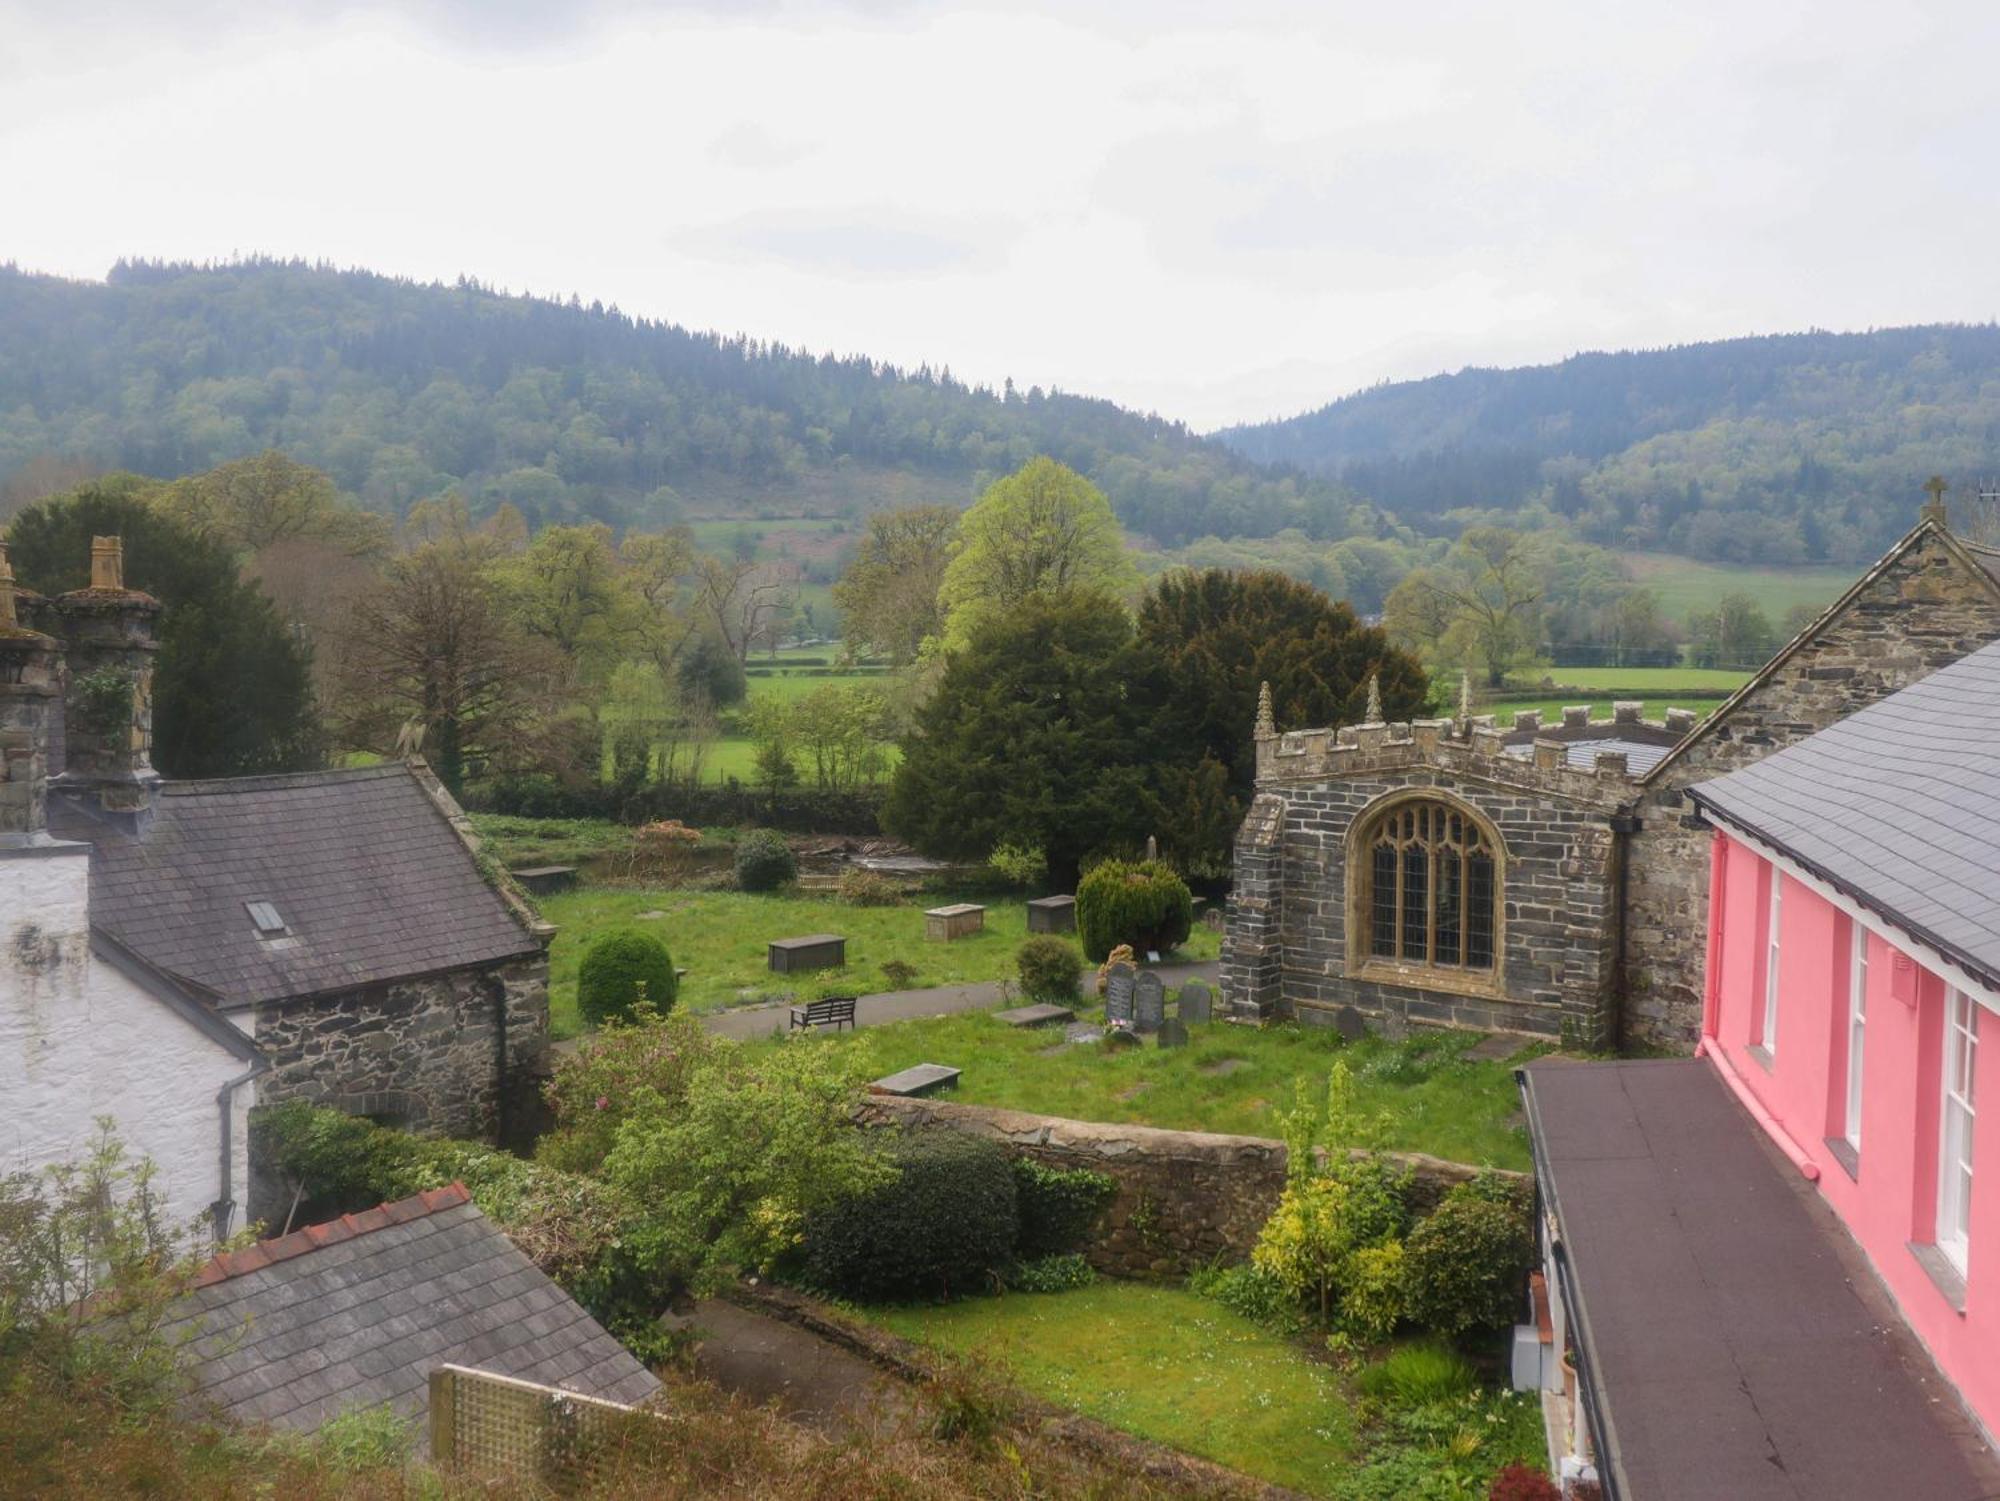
(1143, 903)
(614, 968)
(1058, 1206)
(945, 1225)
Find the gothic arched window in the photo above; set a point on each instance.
(1427, 875)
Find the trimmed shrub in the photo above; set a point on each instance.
(764, 862)
(1519, 1482)
(1052, 1274)
(1418, 1375)
(617, 969)
(1049, 968)
(867, 888)
(1466, 1266)
(1371, 1301)
(944, 1225)
(1058, 1205)
(1143, 903)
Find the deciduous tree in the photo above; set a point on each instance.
(888, 597)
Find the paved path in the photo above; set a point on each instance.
(812, 1380)
(906, 1005)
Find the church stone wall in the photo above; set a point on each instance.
(1922, 610)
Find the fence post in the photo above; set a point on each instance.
(444, 1448)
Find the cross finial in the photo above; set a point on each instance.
(1465, 696)
(1374, 713)
(1267, 724)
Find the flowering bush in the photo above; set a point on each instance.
(591, 1090)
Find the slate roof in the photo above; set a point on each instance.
(1641, 756)
(1735, 1340)
(1898, 805)
(359, 1311)
(371, 879)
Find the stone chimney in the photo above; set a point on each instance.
(30, 685)
(108, 692)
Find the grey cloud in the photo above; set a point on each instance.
(857, 245)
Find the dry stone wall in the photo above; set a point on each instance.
(449, 1053)
(1184, 1197)
(1925, 607)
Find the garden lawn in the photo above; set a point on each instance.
(1228, 1079)
(720, 938)
(1162, 1363)
(1650, 679)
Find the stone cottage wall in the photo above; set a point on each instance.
(1922, 610)
(448, 1053)
(1184, 1197)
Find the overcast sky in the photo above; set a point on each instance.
(1224, 212)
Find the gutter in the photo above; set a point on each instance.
(223, 1210)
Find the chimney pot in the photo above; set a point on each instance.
(107, 562)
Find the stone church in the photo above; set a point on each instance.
(1550, 879)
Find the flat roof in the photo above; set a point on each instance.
(1737, 1341)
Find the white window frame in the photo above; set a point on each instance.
(1957, 1118)
(1857, 1031)
(1769, 1040)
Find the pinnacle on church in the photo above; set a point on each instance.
(1374, 714)
(1465, 696)
(1267, 724)
(7, 616)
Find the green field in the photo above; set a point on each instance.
(1687, 585)
(719, 937)
(1228, 1079)
(1653, 679)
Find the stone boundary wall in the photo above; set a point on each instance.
(1184, 1198)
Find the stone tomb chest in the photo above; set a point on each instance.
(790, 956)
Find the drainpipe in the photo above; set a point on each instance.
(224, 1208)
(1624, 824)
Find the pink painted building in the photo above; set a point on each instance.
(1853, 963)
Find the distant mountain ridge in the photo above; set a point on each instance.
(401, 389)
(1783, 448)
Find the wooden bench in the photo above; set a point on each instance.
(835, 1011)
(788, 956)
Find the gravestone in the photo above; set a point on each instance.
(1052, 914)
(1350, 1024)
(1081, 1034)
(1118, 993)
(1149, 1003)
(1173, 1033)
(1197, 1005)
(1118, 1040)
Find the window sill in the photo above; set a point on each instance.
(1944, 1276)
(1764, 1057)
(1841, 1150)
(1483, 983)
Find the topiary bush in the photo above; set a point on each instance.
(1142, 903)
(618, 968)
(1058, 1205)
(1466, 1266)
(764, 862)
(946, 1224)
(1049, 968)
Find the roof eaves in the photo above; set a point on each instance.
(175, 994)
(516, 901)
(1980, 969)
(1924, 528)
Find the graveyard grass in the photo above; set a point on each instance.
(720, 938)
(1162, 1363)
(1234, 1080)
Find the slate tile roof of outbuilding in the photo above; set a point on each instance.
(1898, 805)
(359, 1311)
(372, 881)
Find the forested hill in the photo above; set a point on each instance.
(401, 390)
(1795, 447)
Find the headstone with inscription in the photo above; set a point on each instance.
(1149, 1003)
(1350, 1024)
(1197, 1005)
(1118, 986)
